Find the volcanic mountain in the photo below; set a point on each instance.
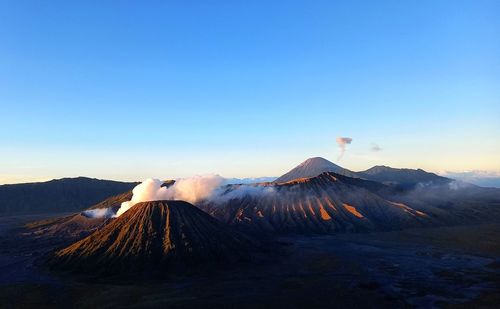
(156, 236)
(322, 204)
(313, 167)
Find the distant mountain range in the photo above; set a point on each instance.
(397, 176)
(403, 177)
(311, 198)
(61, 195)
(316, 196)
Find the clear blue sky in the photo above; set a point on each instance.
(132, 89)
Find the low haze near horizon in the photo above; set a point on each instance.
(123, 90)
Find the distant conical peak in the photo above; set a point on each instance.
(313, 167)
(317, 160)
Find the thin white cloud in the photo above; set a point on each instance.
(375, 147)
(477, 177)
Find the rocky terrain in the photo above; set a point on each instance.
(433, 267)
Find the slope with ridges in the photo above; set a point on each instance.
(322, 204)
(156, 236)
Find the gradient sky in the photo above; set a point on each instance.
(132, 89)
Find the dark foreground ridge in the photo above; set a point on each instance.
(156, 236)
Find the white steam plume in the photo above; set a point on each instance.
(342, 142)
(149, 190)
(99, 213)
(195, 189)
(189, 189)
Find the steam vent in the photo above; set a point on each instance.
(156, 236)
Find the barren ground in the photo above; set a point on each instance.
(448, 266)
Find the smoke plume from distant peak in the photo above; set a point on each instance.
(342, 142)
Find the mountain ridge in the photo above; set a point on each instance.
(404, 177)
(58, 195)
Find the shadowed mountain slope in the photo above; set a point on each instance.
(114, 201)
(76, 226)
(156, 236)
(71, 228)
(61, 195)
